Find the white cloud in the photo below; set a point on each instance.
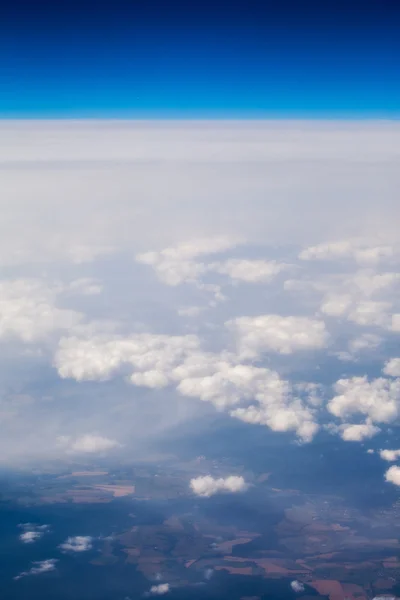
(379, 399)
(389, 455)
(98, 358)
(357, 433)
(392, 367)
(40, 566)
(275, 333)
(160, 589)
(32, 532)
(393, 475)
(207, 486)
(87, 444)
(30, 536)
(297, 586)
(28, 310)
(78, 543)
(250, 271)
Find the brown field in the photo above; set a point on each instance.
(328, 587)
(228, 545)
(236, 570)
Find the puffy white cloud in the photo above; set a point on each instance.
(389, 455)
(28, 310)
(207, 486)
(393, 475)
(250, 271)
(98, 358)
(78, 543)
(177, 265)
(392, 367)
(87, 444)
(297, 586)
(358, 432)
(40, 566)
(160, 589)
(277, 334)
(379, 399)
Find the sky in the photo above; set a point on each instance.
(242, 59)
(199, 221)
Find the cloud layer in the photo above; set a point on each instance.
(182, 269)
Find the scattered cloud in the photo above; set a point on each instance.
(389, 455)
(78, 543)
(160, 589)
(357, 433)
(32, 532)
(392, 475)
(379, 399)
(207, 486)
(39, 566)
(297, 586)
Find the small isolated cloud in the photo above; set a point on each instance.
(87, 444)
(208, 486)
(275, 333)
(78, 543)
(160, 589)
(357, 433)
(297, 586)
(39, 566)
(389, 455)
(393, 475)
(30, 536)
(32, 532)
(370, 451)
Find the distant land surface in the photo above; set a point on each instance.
(147, 528)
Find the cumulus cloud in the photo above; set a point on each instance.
(392, 475)
(207, 486)
(28, 310)
(297, 586)
(379, 399)
(359, 432)
(392, 367)
(39, 566)
(78, 543)
(250, 271)
(389, 455)
(160, 589)
(275, 333)
(87, 444)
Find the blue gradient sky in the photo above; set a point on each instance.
(232, 59)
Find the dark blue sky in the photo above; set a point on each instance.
(161, 58)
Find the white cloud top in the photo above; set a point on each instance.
(160, 589)
(393, 475)
(78, 543)
(207, 486)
